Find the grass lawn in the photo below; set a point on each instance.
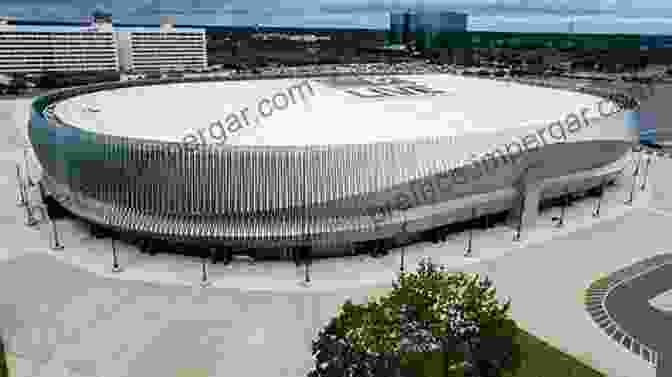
(542, 360)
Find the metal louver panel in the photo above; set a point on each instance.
(249, 194)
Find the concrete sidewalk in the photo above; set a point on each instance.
(95, 255)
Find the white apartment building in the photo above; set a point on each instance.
(163, 48)
(36, 48)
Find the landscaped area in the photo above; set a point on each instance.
(540, 359)
(435, 324)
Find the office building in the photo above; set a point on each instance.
(423, 28)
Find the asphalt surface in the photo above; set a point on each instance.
(628, 305)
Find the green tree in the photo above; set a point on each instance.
(4, 369)
(432, 323)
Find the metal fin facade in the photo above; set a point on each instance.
(239, 195)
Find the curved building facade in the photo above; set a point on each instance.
(327, 196)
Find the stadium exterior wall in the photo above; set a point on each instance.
(275, 197)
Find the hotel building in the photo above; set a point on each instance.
(40, 48)
(163, 48)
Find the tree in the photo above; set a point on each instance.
(432, 323)
(4, 369)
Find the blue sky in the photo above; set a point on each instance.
(484, 14)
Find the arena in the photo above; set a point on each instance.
(329, 165)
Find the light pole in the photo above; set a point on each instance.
(22, 196)
(30, 218)
(519, 226)
(115, 259)
(471, 234)
(204, 272)
(404, 232)
(523, 195)
(646, 175)
(57, 244)
(596, 212)
(306, 263)
(25, 161)
(635, 173)
(561, 220)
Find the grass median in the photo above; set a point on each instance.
(541, 359)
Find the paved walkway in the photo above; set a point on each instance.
(69, 313)
(95, 255)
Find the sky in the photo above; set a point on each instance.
(642, 16)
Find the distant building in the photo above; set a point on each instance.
(35, 49)
(424, 28)
(427, 32)
(163, 48)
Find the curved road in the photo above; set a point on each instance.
(628, 305)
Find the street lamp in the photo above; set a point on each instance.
(30, 218)
(404, 232)
(305, 256)
(204, 272)
(646, 175)
(596, 212)
(57, 244)
(635, 173)
(519, 226)
(115, 259)
(25, 160)
(471, 234)
(565, 202)
(22, 195)
(522, 196)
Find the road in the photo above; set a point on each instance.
(629, 307)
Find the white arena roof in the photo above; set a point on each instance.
(344, 110)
